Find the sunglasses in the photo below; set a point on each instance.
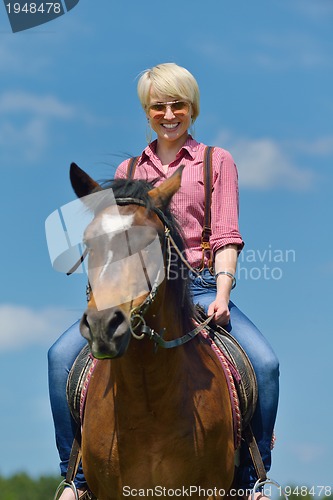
(159, 109)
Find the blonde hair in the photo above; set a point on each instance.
(171, 80)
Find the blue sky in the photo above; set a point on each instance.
(68, 93)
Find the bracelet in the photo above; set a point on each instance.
(232, 276)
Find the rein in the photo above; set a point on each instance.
(168, 344)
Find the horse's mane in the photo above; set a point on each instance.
(178, 282)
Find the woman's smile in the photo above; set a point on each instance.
(170, 126)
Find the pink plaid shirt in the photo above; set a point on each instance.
(188, 202)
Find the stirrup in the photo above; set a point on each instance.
(62, 486)
(87, 495)
(261, 483)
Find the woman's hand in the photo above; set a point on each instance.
(219, 307)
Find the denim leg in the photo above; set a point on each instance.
(203, 289)
(61, 357)
(266, 367)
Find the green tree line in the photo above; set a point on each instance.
(22, 487)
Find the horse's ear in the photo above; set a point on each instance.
(164, 192)
(81, 182)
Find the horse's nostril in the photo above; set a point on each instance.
(117, 319)
(84, 326)
(84, 321)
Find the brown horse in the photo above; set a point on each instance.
(158, 420)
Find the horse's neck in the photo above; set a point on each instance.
(144, 362)
(147, 368)
(167, 315)
(145, 376)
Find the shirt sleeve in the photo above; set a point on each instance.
(225, 202)
(121, 172)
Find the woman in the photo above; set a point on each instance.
(169, 95)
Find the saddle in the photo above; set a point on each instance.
(78, 382)
(241, 367)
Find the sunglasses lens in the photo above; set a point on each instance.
(157, 109)
(178, 108)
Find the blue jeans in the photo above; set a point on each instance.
(62, 355)
(266, 367)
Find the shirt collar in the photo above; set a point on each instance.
(191, 146)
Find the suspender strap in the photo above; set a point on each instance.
(207, 230)
(132, 166)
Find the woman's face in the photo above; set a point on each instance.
(169, 117)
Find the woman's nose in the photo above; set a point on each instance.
(168, 113)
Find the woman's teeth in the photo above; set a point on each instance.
(170, 125)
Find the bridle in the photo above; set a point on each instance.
(137, 321)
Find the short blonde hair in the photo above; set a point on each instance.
(171, 80)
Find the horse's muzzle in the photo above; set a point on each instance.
(107, 331)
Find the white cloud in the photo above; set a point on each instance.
(42, 48)
(323, 146)
(22, 326)
(42, 105)
(13, 59)
(49, 107)
(268, 51)
(31, 139)
(320, 9)
(295, 49)
(263, 164)
(26, 124)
